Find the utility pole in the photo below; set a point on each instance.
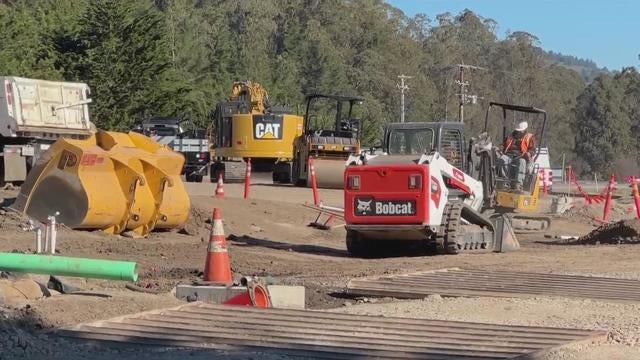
(463, 97)
(402, 86)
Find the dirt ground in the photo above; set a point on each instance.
(268, 235)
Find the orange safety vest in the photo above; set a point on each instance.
(524, 144)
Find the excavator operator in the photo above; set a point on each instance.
(519, 151)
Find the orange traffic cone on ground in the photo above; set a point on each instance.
(256, 295)
(220, 187)
(217, 266)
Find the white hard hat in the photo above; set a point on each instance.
(522, 126)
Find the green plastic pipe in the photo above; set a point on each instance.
(69, 266)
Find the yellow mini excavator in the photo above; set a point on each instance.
(520, 205)
(249, 126)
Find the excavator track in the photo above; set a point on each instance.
(528, 224)
(463, 230)
(231, 171)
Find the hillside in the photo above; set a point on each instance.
(587, 68)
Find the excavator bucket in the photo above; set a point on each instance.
(505, 238)
(111, 181)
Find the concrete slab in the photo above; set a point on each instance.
(287, 297)
(209, 293)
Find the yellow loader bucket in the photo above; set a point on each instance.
(111, 181)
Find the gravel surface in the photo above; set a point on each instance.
(269, 236)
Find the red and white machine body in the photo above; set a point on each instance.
(411, 194)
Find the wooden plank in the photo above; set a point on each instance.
(442, 327)
(324, 334)
(404, 293)
(374, 330)
(596, 284)
(341, 347)
(429, 285)
(364, 319)
(435, 342)
(460, 282)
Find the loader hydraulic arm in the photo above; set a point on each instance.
(455, 178)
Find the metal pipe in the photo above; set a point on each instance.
(38, 231)
(326, 207)
(47, 237)
(69, 266)
(53, 233)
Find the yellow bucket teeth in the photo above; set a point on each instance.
(111, 181)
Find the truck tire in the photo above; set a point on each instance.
(217, 169)
(357, 245)
(295, 176)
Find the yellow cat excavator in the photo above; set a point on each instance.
(249, 126)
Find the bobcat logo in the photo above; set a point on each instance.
(364, 206)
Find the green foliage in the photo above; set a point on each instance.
(604, 122)
(180, 57)
(587, 68)
(22, 51)
(121, 51)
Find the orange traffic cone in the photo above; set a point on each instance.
(220, 187)
(217, 266)
(256, 295)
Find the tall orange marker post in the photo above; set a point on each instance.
(608, 201)
(247, 179)
(314, 183)
(636, 195)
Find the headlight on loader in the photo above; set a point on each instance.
(354, 182)
(415, 182)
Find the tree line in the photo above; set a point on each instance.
(179, 58)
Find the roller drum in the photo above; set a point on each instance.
(329, 173)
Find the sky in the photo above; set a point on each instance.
(605, 31)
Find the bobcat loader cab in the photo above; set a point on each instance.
(420, 191)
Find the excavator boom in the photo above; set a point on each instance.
(253, 92)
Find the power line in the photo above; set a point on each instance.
(464, 97)
(403, 87)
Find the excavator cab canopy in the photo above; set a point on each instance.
(346, 125)
(509, 118)
(509, 196)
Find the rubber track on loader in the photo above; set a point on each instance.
(452, 240)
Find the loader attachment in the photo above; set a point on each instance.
(111, 181)
(505, 238)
